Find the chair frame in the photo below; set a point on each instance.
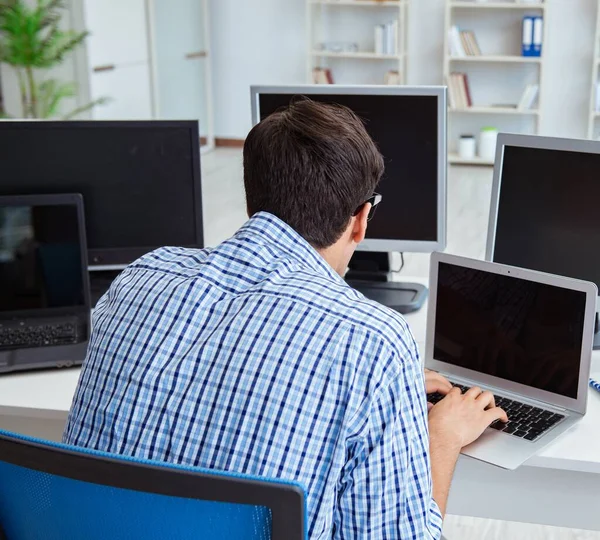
(287, 502)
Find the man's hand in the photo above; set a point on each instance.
(434, 382)
(459, 419)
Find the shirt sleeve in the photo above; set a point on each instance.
(385, 489)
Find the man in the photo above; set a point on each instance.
(256, 357)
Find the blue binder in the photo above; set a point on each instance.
(527, 36)
(538, 34)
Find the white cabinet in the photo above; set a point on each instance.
(151, 58)
(118, 33)
(182, 61)
(119, 58)
(129, 90)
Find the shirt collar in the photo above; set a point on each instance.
(283, 238)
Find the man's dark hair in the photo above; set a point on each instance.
(311, 165)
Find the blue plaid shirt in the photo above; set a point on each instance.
(256, 357)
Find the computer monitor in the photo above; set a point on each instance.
(140, 180)
(544, 210)
(409, 126)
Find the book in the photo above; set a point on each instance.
(473, 44)
(464, 40)
(456, 86)
(465, 81)
(459, 93)
(392, 77)
(469, 43)
(379, 40)
(322, 76)
(528, 97)
(455, 43)
(386, 38)
(451, 97)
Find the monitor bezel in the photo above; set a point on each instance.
(68, 199)
(118, 258)
(577, 404)
(375, 244)
(585, 146)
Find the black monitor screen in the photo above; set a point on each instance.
(40, 259)
(140, 183)
(548, 217)
(405, 129)
(522, 331)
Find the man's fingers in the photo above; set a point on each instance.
(486, 399)
(473, 392)
(495, 413)
(432, 386)
(434, 382)
(441, 379)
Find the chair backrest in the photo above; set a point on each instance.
(59, 492)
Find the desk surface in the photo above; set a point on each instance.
(48, 395)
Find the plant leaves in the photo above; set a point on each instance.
(32, 37)
(85, 108)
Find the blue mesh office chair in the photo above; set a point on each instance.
(52, 491)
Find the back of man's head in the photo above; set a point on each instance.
(311, 165)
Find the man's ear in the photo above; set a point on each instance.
(359, 228)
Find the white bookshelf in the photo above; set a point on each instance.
(345, 22)
(508, 4)
(455, 159)
(594, 123)
(499, 58)
(359, 55)
(495, 110)
(499, 76)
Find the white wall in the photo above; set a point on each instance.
(567, 77)
(264, 41)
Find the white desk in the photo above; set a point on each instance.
(561, 486)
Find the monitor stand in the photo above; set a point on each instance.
(597, 332)
(371, 274)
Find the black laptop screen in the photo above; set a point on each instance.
(525, 332)
(40, 259)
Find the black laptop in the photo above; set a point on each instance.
(44, 283)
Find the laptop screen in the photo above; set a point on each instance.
(519, 330)
(40, 259)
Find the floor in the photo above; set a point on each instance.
(469, 191)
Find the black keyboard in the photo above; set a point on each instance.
(524, 421)
(25, 335)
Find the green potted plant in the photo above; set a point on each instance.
(31, 42)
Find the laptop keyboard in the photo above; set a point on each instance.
(524, 421)
(24, 336)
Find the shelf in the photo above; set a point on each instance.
(496, 110)
(363, 3)
(455, 159)
(496, 5)
(508, 59)
(361, 55)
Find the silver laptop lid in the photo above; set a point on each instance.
(519, 330)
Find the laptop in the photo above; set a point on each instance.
(44, 284)
(524, 335)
